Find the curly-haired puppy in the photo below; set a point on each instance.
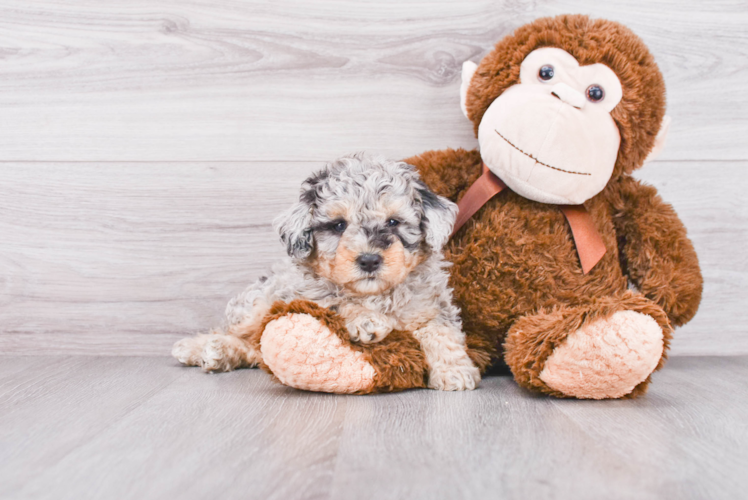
(365, 240)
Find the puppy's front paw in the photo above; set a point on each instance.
(369, 328)
(454, 377)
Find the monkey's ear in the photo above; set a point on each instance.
(438, 218)
(468, 69)
(295, 229)
(660, 139)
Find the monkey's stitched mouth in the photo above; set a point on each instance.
(538, 161)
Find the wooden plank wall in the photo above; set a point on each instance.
(146, 145)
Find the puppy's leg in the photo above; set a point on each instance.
(223, 351)
(215, 352)
(450, 368)
(364, 325)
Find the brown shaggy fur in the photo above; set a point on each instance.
(516, 273)
(398, 360)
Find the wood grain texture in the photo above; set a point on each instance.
(502, 442)
(101, 255)
(120, 434)
(147, 80)
(710, 200)
(125, 258)
(128, 258)
(89, 427)
(78, 403)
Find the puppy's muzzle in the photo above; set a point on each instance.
(369, 262)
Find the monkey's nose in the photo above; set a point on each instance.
(369, 262)
(568, 95)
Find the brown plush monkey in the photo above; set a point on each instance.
(565, 109)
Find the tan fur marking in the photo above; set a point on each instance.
(339, 210)
(396, 265)
(343, 270)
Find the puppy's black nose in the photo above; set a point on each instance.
(369, 262)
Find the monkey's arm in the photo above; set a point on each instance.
(448, 172)
(656, 254)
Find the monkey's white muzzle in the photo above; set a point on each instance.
(549, 148)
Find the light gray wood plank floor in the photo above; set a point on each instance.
(127, 427)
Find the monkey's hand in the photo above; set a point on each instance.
(658, 257)
(448, 172)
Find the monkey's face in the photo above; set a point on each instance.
(551, 137)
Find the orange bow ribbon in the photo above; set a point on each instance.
(587, 239)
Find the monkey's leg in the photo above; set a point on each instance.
(607, 349)
(308, 347)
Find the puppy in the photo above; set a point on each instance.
(364, 240)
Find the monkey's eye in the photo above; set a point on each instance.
(392, 222)
(546, 73)
(339, 227)
(595, 93)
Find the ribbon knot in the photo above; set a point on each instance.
(589, 244)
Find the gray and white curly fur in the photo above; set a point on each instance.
(364, 239)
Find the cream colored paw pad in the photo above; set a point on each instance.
(606, 358)
(303, 353)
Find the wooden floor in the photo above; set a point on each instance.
(127, 427)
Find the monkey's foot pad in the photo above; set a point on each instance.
(303, 353)
(606, 358)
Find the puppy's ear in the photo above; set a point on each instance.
(438, 217)
(295, 224)
(294, 228)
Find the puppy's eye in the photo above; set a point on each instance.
(339, 227)
(392, 222)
